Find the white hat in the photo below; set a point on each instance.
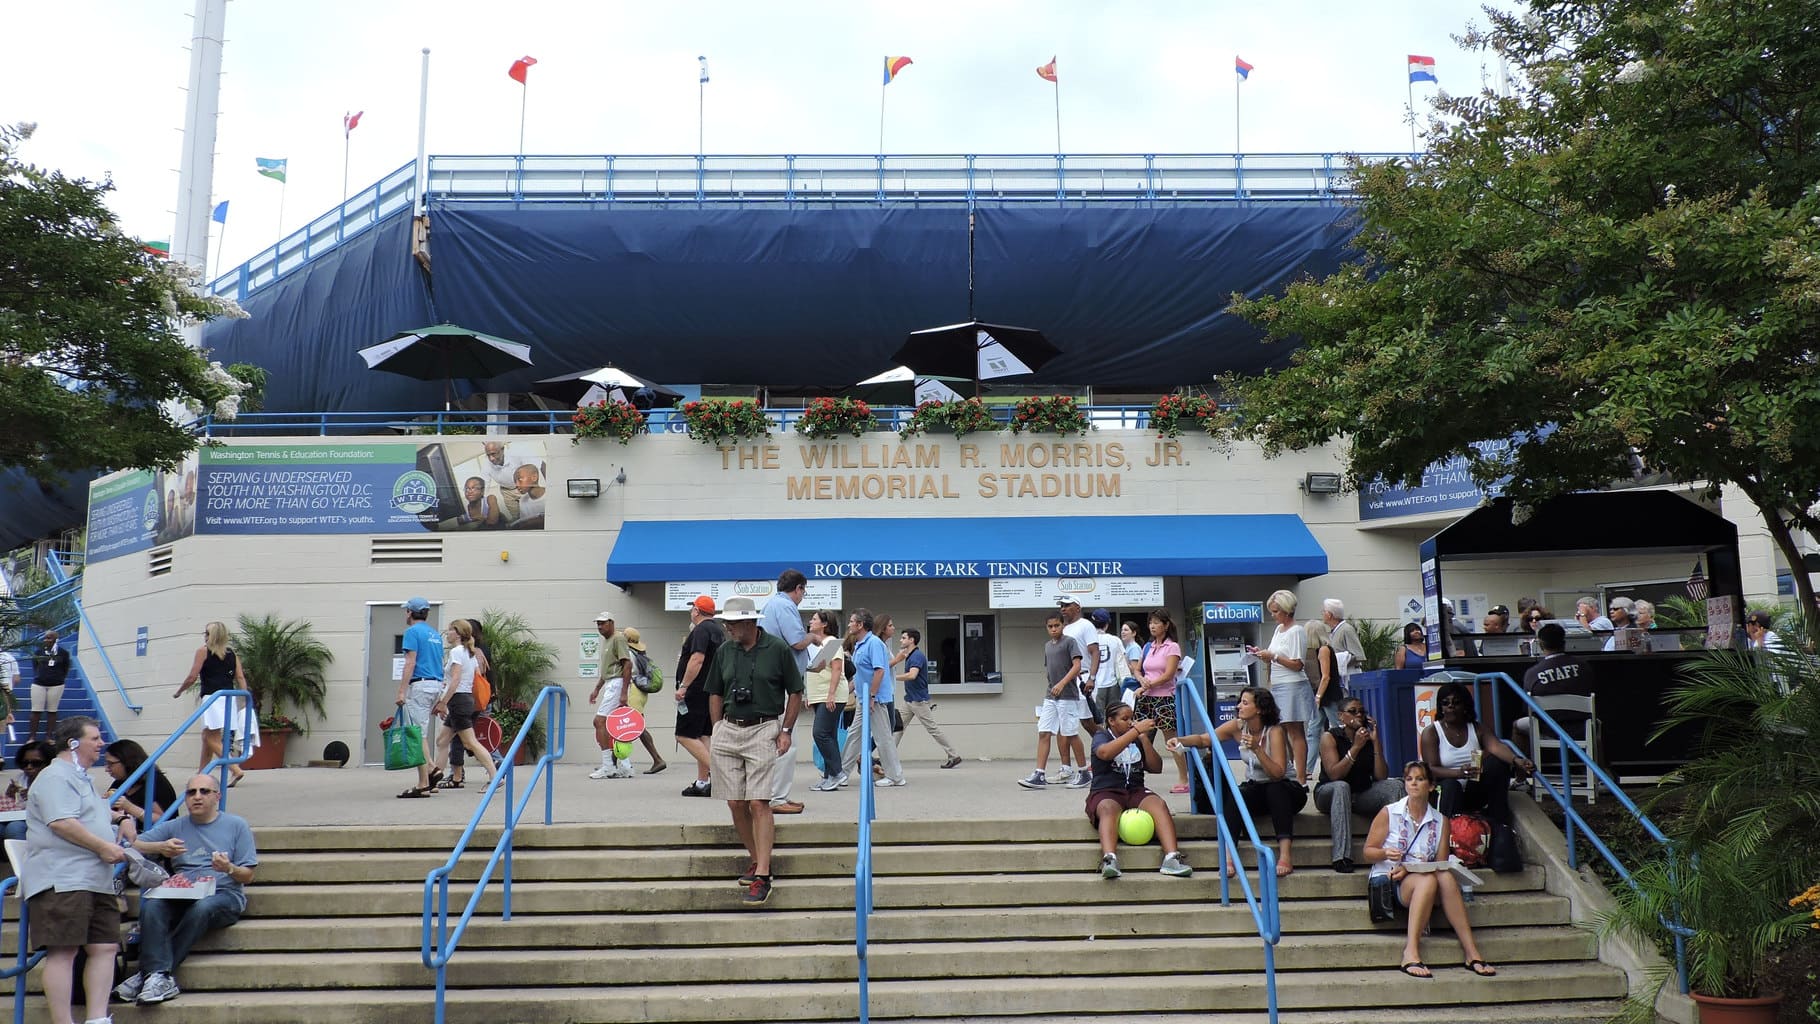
(604, 617)
(739, 609)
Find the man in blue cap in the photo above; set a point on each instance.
(420, 687)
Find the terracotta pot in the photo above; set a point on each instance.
(1717, 1010)
(270, 751)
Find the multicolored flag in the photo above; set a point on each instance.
(160, 249)
(1696, 583)
(220, 214)
(349, 122)
(1047, 71)
(893, 65)
(273, 169)
(704, 69)
(519, 68)
(1422, 69)
(1243, 69)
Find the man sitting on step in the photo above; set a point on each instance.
(204, 843)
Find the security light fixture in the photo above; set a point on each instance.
(584, 488)
(1321, 483)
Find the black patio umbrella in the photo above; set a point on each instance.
(445, 352)
(571, 388)
(975, 351)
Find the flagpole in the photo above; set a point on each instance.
(347, 144)
(1412, 115)
(282, 185)
(701, 114)
(1058, 112)
(1238, 90)
(220, 240)
(524, 94)
(881, 113)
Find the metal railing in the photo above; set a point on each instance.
(862, 863)
(1572, 752)
(658, 421)
(692, 181)
(439, 942)
(57, 572)
(1192, 718)
(25, 960)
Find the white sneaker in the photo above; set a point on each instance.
(889, 783)
(1064, 773)
(841, 780)
(1176, 866)
(128, 990)
(1109, 866)
(624, 772)
(605, 771)
(826, 785)
(159, 987)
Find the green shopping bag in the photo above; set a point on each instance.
(403, 746)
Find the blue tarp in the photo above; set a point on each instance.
(660, 551)
(30, 510)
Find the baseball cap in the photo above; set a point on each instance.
(632, 639)
(604, 617)
(739, 609)
(704, 604)
(1066, 599)
(416, 604)
(1102, 617)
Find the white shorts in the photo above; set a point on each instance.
(46, 698)
(1083, 711)
(1060, 717)
(609, 696)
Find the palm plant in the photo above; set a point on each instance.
(1746, 831)
(521, 666)
(285, 667)
(1379, 641)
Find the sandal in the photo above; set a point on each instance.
(1481, 968)
(415, 793)
(1180, 787)
(435, 777)
(1411, 967)
(449, 784)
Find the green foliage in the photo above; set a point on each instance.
(960, 417)
(1747, 822)
(91, 349)
(720, 422)
(252, 398)
(521, 666)
(285, 668)
(1380, 641)
(1621, 252)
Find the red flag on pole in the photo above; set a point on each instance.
(1047, 71)
(349, 122)
(519, 67)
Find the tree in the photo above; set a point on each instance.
(91, 349)
(1617, 267)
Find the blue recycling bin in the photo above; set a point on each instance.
(1389, 696)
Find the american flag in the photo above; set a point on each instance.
(1696, 583)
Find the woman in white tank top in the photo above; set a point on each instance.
(1471, 764)
(1412, 830)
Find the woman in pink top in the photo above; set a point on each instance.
(1156, 695)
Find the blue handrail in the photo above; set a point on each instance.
(26, 958)
(56, 567)
(1192, 718)
(1571, 751)
(862, 867)
(658, 421)
(439, 942)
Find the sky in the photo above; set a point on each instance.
(104, 81)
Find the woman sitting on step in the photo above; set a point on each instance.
(1412, 830)
(1264, 746)
(1120, 755)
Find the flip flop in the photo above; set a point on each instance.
(1481, 968)
(414, 794)
(1180, 787)
(1408, 969)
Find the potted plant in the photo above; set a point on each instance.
(1172, 413)
(1053, 415)
(959, 417)
(608, 418)
(717, 422)
(1745, 830)
(831, 417)
(285, 668)
(521, 667)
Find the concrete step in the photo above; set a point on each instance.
(778, 928)
(546, 966)
(574, 864)
(923, 999)
(697, 894)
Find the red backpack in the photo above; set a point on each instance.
(1470, 837)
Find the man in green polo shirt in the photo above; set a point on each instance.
(754, 694)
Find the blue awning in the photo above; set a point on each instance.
(974, 548)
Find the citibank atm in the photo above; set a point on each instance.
(1227, 627)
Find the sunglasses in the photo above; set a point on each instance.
(199, 792)
(1445, 701)
(31, 764)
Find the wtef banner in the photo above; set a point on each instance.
(323, 488)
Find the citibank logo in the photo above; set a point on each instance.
(414, 493)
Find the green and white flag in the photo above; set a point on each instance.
(270, 168)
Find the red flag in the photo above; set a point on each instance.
(349, 122)
(1047, 71)
(519, 67)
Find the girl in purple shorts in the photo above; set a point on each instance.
(1121, 754)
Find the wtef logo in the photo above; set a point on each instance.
(414, 493)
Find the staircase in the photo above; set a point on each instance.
(977, 921)
(62, 598)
